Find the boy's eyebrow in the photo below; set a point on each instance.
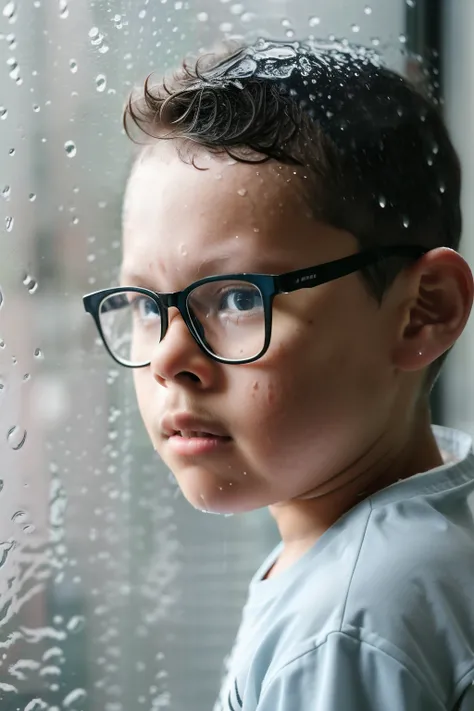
(129, 276)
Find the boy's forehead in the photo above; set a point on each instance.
(180, 217)
(172, 174)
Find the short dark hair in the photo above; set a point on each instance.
(379, 160)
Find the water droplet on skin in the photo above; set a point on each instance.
(3, 113)
(101, 82)
(183, 250)
(242, 192)
(314, 21)
(63, 9)
(73, 66)
(9, 221)
(16, 437)
(70, 148)
(382, 201)
(202, 16)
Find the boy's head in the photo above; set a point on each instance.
(273, 158)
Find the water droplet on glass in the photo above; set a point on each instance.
(16, 437)
(11, 152)
(76, 623)
(9, 223)
(63, 9)
(94, 33)
(248, 17)
(6, 192)
(32, 197)
(1, 298)
(73, 65)
(382, 201)
(2, 343)
(375, 41)
(9, 10)
(355, 28)
(237, 9)
(202, 16)
(30, 283)
(226, 26)
(314, 21)
(411, 3)
(101, 82)
(39, 353)
(142, 14)
(3, 113)
(368, 10)
(73, 696)
(405, 221)
(242, 192)
(1, 485)
(70, 148)
(442, 188)
(402, 39)
(103, 48)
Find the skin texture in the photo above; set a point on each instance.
(332, 411)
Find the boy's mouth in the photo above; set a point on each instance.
(195, 434)
(184, 425)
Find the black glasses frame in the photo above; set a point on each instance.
(269, 286)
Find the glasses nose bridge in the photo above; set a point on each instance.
(175, 299)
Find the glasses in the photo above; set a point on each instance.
(229, 316)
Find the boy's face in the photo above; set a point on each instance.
(302, 417)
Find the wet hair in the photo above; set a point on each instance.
(374, 154)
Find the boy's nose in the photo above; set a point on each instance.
(177, 357)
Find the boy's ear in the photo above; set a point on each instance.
(441, 290)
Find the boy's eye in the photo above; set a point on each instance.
(240, 299)
(145, 308)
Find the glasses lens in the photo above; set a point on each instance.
(229, 318)
(131, 324)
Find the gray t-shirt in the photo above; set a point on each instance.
(379, 614)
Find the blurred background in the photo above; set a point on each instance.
(114, 593)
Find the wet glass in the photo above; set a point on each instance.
(114, 593)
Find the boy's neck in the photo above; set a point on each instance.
(302, 521)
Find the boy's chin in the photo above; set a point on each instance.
(206, 494)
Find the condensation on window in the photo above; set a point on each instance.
(114, 593)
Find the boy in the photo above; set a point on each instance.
(290, 286)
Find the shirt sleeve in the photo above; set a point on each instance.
(347, 674)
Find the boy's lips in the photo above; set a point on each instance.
(191, 436)
(188, 426)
